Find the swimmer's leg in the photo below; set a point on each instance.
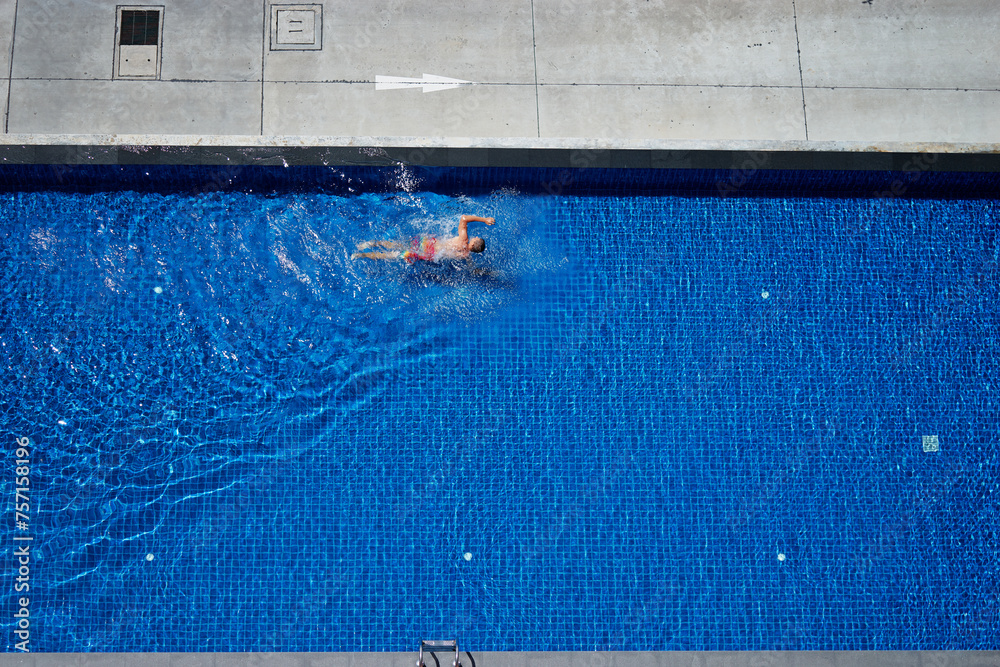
(377, 255)
(390, 245)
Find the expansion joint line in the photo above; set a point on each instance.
(534, 56)
(798, 53)
(263, 57)
(10, 73)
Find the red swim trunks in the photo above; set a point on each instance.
(423, 248)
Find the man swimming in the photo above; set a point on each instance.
(429, 248)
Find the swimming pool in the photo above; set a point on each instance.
(656, 414)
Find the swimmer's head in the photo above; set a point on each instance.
(476, 244)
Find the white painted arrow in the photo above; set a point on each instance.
(429, 82)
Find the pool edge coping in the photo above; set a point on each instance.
(493, 152)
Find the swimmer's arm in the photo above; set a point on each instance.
(463, 225)
(465, 219)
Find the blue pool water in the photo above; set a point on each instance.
(648, 417)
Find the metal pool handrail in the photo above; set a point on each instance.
(438, 645)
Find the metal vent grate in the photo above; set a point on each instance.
(138, 42)
(139, 27)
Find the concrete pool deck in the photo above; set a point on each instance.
(801, 76)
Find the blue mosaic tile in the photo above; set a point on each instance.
(649, 417)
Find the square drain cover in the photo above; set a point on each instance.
(296, 27)
(931, 443)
